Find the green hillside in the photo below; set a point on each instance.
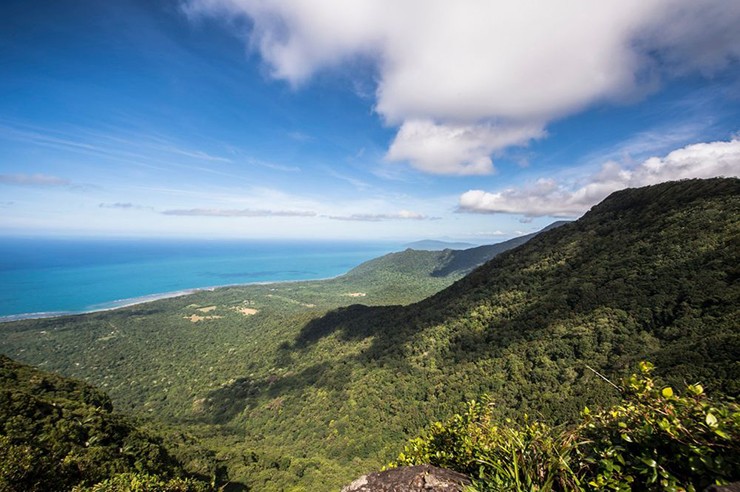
(404, 268)
(462, 262)
(57, 433)
(296, 385)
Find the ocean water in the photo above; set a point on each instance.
(55, 276)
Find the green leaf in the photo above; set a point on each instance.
(667, 392)
(721, 434)
(649, 462)
(695, 389)
(711, 420)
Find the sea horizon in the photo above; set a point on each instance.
(52, 277)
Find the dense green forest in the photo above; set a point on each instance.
(59, 433)
(303, 386)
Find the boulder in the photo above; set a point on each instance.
(419, 478)
(733, 487)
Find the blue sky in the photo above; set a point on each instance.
(363, 119)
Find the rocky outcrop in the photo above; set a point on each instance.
(420, 478)
(733, 487)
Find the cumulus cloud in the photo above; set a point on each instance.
(464, 80)
(455, 149)
(216, 212)
(548, 197)
(33, 180)
(401, 215)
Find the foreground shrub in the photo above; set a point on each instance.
(141, 482)
(658, 439)
(654, 439)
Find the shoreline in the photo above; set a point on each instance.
(133, 301)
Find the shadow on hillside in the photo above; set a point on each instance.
(608, 267)
(652, 286)
(354, 322)
(225, 403)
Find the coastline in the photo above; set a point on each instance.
(133, 301)
(108, 306)
(119, 274)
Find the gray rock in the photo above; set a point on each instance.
(420, 478)
(733, 487)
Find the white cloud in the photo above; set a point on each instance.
(33, 180)
(469, 78)
(401, 215)
(456, 149)
(547, 197)
(217, 212)
(123, 206)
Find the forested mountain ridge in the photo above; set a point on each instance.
(289, 397)
(665, 256)
(462, 262)
(654, 269)
(452, 263)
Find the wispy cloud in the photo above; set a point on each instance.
(195, 154)
(41, 180)
(356, 182)
(151, 152)
(495, 233)
(272, 165)
(300, 136)
(124, 206)
(217, 212)
(402, 215)
(549, 197)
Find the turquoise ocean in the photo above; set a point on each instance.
(46, 277)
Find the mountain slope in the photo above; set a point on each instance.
(56, 433)
(462, 262)
(435, 263)
(664, 257)
(658, 263)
